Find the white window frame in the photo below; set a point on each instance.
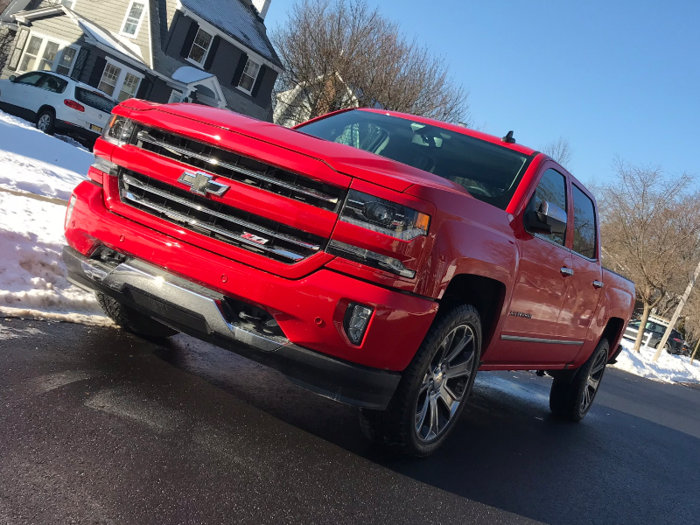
(59, 54)
(206, 52)
(126, 16)
(122, 76)
(255, 79)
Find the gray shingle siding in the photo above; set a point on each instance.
(59, 27)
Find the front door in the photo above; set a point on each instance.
(529, 331)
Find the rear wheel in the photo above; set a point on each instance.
(46, 121)
(131, 320)
(434, 388)
(572, 399)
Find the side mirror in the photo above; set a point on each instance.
(12, 78)
(549, 218)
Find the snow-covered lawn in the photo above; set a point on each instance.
(669, 368)
(32, 276)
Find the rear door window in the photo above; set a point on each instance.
(584, 224)
(94, 100)
(54, 84)
(552, 188)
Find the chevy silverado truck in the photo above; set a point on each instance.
(376, 258)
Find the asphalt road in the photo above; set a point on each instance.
(98, 426)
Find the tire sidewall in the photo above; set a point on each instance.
(461, 315)
(603, 347)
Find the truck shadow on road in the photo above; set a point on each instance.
(507, 451)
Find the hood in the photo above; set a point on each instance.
(343, 159)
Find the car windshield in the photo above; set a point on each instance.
(489, 172)
(94, 100)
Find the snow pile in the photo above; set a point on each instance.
(34, 162)
(669, 368)
(32, 275)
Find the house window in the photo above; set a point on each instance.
(119, 82)
(200, 46)
(65, 64)
(132, 22)
(250, 74)
(110, 77)
(47, 55)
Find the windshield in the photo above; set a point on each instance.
(94, 100)
(487, 171)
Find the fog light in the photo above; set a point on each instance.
(69, 211)
(356, 320)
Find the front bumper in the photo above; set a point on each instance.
(198, 311)
(309, 310)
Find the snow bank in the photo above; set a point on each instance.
(669, 368)
(34, 162)
(32, 275)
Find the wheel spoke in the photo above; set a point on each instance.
(420, 417)
(447, 344)
(598, 367)
(460, 346)
(450, 401)
(434, 429)
(461, 369)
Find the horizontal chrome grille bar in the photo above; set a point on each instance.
(286, 254)
(144, 136)
(248, 225)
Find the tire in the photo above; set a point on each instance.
(46, 121)
(418, 420)
(131, 320)
(572, 399)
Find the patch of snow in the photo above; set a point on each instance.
(669, 368)
(34, 162)
(187, 75)
(32, 274)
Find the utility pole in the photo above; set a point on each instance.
(677, 313)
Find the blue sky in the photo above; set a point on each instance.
(614, 78)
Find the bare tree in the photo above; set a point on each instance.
(341, 53)
(559, 150)
(651, 225)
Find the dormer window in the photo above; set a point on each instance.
(200, 47)
(134, 17)
(249, 76)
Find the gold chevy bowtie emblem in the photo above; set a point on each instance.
(202, 184)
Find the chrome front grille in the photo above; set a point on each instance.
(231, 165)
(216, 220)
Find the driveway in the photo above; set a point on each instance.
(98, 426)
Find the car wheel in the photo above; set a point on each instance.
(131, 320)
(434, 388)
(572, 398)
(46, 121)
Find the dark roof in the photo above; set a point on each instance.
(238, 20)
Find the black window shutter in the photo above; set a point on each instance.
(19, 47)
(97, 71)
(258, 81)
(79, 63)
(144, 89)
(189, 38)
(239, 69)
(212, 51)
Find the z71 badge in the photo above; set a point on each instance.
(255, 238)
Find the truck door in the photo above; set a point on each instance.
(529, 331)
(586, 283)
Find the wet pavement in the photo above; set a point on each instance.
(99, 426)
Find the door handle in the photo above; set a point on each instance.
(566, 272)
(597, 284)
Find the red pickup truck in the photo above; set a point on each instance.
(376, 258)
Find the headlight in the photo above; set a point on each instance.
(384, 216)
(119, 130)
